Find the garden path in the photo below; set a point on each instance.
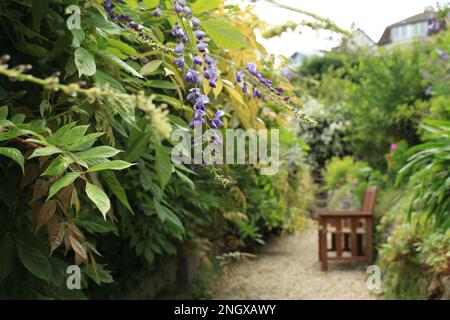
(288, 268)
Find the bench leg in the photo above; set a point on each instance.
(323, 245)
(369, 241)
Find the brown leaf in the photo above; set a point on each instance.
(79, 259)
(78, 248)
(40, 189)
(74, 231)
(67, 244)
(56, 231)
(64, 196)
(31, 173)
(92, 248)
(74, 201)
(47, 211)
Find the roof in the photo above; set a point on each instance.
(365, 34)
(421, 17)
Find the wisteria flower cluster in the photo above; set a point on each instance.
(203, 66)
(252, 70)
(200, 59)
(201, 62)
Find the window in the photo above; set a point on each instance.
(409, 31)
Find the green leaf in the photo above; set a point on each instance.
(133, 4)
(35, 261)
(96, 224)
(42, 152)
(150, 67)
(174, 102)
(99, 274)
(63, 182)
(120, 63)
(78, 37)
(185, 179)
(166, 215)
(102, 24)
(163, 166)
(39, 10)
(123, 47)
(98, 152)
(14, 154)
(115, 186)
(103, 79)
(11, 134)
(3, 112)
(85, 62)
(201, 6)
(224, 34)
(111, 165)
(58, 166)
(99, 198)
(151, 4)
(160, 84)
(7, 256)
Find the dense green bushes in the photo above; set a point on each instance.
(85, 165)
(395, 104)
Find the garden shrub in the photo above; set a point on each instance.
(86, 115)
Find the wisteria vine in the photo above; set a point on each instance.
(205, 66)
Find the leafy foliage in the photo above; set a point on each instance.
(85, 164)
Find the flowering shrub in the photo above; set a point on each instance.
(86, 118)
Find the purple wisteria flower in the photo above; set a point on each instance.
(244, 88)
(210, 61)
(443, 55)
(195, 22)
(201, 46)
(192, 76)
(179, 48)
(185, 38)
(216, 122)
(201, 102)
(199, 34)
(193, 94)
(177, 7)
(434, 26)
(239, 76)
(208, 72)
(187, 10)
(181, 2)
(197, 60)
(252, 69)
(135, 26)
(177, 31)
(179, 62)
(213, 79)
(197, 121)
(157, 12)
(107, 4)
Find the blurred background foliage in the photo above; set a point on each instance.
(384, 118)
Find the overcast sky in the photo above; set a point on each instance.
(372, 16)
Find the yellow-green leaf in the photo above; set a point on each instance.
(99, 198)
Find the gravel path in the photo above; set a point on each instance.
(288, 268)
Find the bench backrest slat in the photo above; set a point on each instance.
(370, 198)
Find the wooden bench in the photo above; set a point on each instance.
(348, 235)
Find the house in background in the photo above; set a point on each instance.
(357, 40)
(296, 59)
(419, 26)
